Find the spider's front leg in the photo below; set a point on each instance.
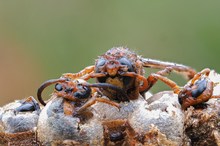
(109, 86)
(139, 78)
(85, 72)
(147, 83)
(95, 95)
(95, 99)
(183, 69)
(153, 78)
(176, 89)
(205, 72)
(68, 108)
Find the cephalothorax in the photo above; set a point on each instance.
(79, 91)
(123, 68)
(195, 92)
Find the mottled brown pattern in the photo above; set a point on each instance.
(20, 138)
(202, 125)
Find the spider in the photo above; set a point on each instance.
(125, 69)
(196, 92)
(80, 92)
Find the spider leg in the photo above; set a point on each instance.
(205, 71)
(185, 70)
(215, 96)
(65, 95)
(93, 100)
(139, 77)
(93, 75)
(68, 108)
(153, 78)
(110, 86)
(82, 73)
(170, 83)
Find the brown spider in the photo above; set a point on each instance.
(80, 92)
(195, 92)
(124, 68)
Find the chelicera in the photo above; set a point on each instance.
(81, 94)
(196, 92)
(125, 69)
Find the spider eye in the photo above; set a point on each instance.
(125, 61)
(100, 62)
(58, 87)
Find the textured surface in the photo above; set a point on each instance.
(164, 113)
(158, 120)
(17, 128)
(54, 126)
(203, 125)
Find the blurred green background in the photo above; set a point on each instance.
(40, 40)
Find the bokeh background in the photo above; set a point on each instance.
(40, 40)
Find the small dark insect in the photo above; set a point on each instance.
(29, 104)
(124, 68)
(18, 122)
(195, 92)
(119, 132)
(80, 92)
